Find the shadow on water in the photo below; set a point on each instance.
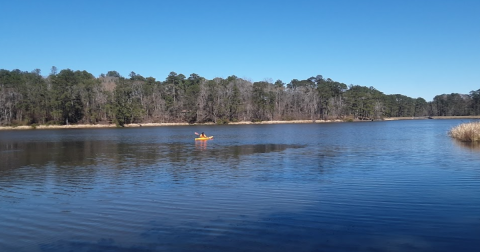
(250, 149)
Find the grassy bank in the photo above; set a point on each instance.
(466, 132)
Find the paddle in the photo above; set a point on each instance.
(196, 133)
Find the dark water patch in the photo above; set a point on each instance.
(260, 148)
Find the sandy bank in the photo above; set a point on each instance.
(134, 125)
(430, 117)
(88, 126)
(286, 122)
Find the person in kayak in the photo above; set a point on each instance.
(203, 135)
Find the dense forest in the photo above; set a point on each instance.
(70, 97)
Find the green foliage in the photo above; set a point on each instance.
(475, 103)
(113, 74)
(66, 100)
(222, 121)
(364, 103)
(126, 107)
(263, 100)
(234, 104)
(454, 104)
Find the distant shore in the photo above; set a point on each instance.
(136, 125)
(430, 117)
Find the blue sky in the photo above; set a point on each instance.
(418, 48)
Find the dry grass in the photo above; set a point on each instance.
(466, 132)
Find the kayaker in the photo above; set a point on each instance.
(203, 135)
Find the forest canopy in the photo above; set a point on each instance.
(70, 97)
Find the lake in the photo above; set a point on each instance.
(363, 186)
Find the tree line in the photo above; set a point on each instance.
(70, 97)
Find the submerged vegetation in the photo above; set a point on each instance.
(466, 132)
(73, 97)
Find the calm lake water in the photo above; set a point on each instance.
(373, 186)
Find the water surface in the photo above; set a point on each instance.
(376, 186)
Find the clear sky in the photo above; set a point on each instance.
(418, 48)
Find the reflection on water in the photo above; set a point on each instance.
(201, 145)
(89, 153)
(377, 186)
(474, 146)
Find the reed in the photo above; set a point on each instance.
(466, 132)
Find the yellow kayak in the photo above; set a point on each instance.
(204, 138)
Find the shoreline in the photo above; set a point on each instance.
(136, 125)
(430, 117)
